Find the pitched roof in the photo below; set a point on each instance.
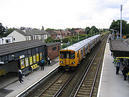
(21, 32)
(31, 32)
(19, 46)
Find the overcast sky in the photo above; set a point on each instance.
(61, 13)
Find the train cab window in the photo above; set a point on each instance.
(62, 55)
(67, 54)
(72, 54)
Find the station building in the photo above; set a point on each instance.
(120, 48)
(25, 55)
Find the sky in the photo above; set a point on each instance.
(61, 14)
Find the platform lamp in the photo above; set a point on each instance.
(113, 34)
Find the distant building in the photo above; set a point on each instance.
(28, 34)
(6, 40)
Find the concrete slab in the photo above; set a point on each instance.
(111, 85)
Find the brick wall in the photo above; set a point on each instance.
(53, 51)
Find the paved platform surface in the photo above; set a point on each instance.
(111, 85)
(15, 87)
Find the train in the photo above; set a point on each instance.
(70, 57)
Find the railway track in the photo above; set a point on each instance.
(89, 83)
(62, 84)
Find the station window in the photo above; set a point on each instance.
(6, 58)
(17, 55)
(40, 49)
(0, 59)
(29, 52)
(37, 50)
(54, 48)
(25, 53)
(33, 51)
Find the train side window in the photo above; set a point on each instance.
(78, 54)
(72, 55)
(82, 52)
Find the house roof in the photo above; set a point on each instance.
(31, 32)
(50, 44)
(21, 32)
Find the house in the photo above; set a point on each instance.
(28, 34)
(78, 31)
(62, 33)
(6, 40)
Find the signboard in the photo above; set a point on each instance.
(122, 57)
(26, 62)
(34, 59)
(30, 59)
(22, 63)
(41, 56)
(37, 57)
(22, 56)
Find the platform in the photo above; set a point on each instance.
(111, 85)
(14, 88)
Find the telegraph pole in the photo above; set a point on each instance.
(121, 21)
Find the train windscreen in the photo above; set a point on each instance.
(67, 54)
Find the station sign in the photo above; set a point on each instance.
(22, 56)
(1, 62)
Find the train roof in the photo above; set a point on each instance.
(82, 43)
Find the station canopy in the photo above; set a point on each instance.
(120, 48)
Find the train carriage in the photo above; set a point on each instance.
(71, 56)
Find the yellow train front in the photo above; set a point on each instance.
(68, 59)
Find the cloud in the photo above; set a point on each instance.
(61, 13)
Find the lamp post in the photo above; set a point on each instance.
(121, 22)
(113, 34)
(78, 36)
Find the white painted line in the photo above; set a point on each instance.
(98, 94)
(35, 82)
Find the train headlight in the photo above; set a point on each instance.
(61, 62)
(73, 62)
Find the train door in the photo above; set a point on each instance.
(67, 60)
(84, 51)
(78, 57)
(88, 48)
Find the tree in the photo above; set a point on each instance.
(49, 39)
(8, 31)
(2, 30)
(93, 30)
(87, 29)
(116, 26)
(49, 29)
